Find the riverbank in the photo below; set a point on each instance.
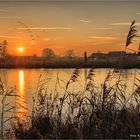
(71, 64)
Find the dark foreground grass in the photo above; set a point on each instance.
(93, 113)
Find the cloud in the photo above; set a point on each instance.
(84, 21)
(103, 37)
(47, 39)
(10, 28)
(104, 28)
(14, 17)
(123, 24)
(46, 28)
(16, 41)
(3, 10)
(10, 37)
(8, 17)
(26, 43)
(53, 39)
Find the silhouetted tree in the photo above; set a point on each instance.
(3, 48)
(34, 55)
(48, 53)
(69, 54)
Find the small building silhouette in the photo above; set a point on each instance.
(114, 55)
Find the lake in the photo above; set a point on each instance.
(25, 80)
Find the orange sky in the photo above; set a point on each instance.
(81, 26)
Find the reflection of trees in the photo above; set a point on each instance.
(3, 48)
(48, 53)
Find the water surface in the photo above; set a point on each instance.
(25, 80)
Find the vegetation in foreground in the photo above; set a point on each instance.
(93, 113)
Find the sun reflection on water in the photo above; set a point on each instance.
(21, 82)
(21, 110)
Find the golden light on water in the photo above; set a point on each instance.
(21, 82)
(21, 101)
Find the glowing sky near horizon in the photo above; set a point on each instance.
(81, 26)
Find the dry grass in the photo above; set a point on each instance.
(93, 113)
(6, 107)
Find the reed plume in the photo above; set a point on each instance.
(131, 34)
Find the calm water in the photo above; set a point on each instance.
(25, 80)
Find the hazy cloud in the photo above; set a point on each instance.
(16, 41)
(14, 17)
(123, 24)
(104, 28)
(47, 28)
(56, 38)
(3, 10)
(10, 37)
(84, 21)
(27, 42)
(103, 37)
(8, 17)
(47, 39)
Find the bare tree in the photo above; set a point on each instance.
(48, 53)
(3, 48)
(69, 54)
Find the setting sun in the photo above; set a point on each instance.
(20, 49)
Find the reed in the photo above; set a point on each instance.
(6, 107)
(94, 113)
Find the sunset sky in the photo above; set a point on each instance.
(62, 25)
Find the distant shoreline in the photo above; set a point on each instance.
(60, 63)
(70, 66)
(57, 67)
